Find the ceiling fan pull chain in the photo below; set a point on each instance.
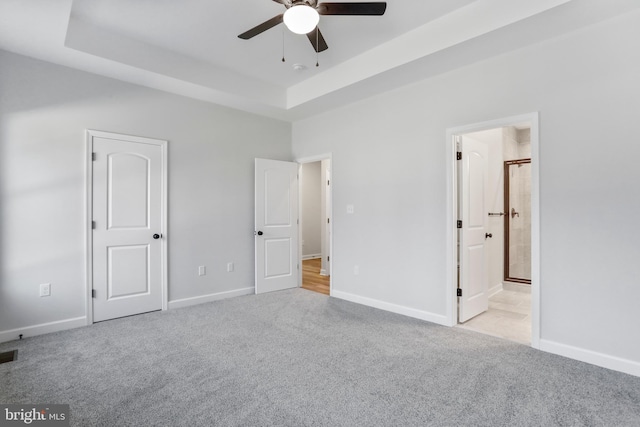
(317, 46)
(283, 45)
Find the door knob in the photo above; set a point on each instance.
(157, 236)
(259, 233)
(488, 235)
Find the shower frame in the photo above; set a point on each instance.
(507, 221)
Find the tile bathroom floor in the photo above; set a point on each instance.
(508, 317)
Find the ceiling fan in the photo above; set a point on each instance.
(302, 17)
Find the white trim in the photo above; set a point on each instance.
(311, 256)
(495, 289)
(593, 357)
(88, 227)
(186, 302)
(43, 328)
(89, 135)
(451, 231)
(311, 159)
(323, 272)
(394, 308)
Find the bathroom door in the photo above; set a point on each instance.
(474, 215)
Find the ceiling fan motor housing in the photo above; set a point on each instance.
(308, 17)
(312, 3)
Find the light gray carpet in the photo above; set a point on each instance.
(297, 358)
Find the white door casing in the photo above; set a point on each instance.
(474, 216)
(326, 254)
(128, 211)
(276, 225)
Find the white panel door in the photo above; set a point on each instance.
(276, 225)
(474, 214)
(127, 229)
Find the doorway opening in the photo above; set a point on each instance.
(315, 224)
(495, 236)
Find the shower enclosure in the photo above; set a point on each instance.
(517, 223)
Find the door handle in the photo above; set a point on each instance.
(157, 236)
(259, 233)
(514, 213)
(488, 235)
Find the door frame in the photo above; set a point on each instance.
(89, 136)
(452, 217)
(312, 159)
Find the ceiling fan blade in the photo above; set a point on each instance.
(368, 8)
(262, 27)
(321, 45)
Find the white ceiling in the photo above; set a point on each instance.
(208, 31)
(190, 47)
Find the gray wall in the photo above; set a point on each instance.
(44, 111)
(311, 214)
(389, 157)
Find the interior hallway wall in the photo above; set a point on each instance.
(389, 155)
(44, 111)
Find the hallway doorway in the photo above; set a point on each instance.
(315, 224)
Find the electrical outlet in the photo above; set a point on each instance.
(230, 267)
(45, 289)
(350, 209)
(202, 270)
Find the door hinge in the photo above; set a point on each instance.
(298, 266)
(298, 221)
(93, 157)
(93, 225)
(328, 221)
(459, 225)
(93, 293)
(459, 292)
(327, 182)
(328, 258)
(459, 155)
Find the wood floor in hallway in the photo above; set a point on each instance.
(311, 278)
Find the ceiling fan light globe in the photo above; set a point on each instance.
(301, 19)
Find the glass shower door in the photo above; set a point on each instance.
(517, 202)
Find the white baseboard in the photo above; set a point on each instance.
(394, 308)
(186, 302)
(494, 290)
(311, 256)
(43, 328)
(599, 359)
